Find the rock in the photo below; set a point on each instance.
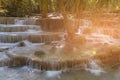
(21, 44)
(3, 49)
(109, 59)
(39, 53)
(40, 60)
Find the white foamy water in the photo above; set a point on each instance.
(52, 74)
(33, 31)
(101, 38)
(21, 33)
(19, 22)
(7, 45)
(55, 16)
(3, 56)
(27, 73)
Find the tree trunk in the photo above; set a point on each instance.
(44, 8)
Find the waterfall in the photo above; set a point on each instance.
(20, 30)
(25, 29)
(26, 21)
(19, 22)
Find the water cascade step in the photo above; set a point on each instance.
(18, 21)
(17, 28)
(47, 61)
(14, 30)
(32, 37)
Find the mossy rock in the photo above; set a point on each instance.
(39, 53)
(1, 50)
(21, 44)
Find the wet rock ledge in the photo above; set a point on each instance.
(46, 58)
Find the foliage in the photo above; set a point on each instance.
(18, 7)
(27, 7)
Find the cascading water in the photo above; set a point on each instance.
(19, 22)
(46, 60)
(25, 29)
(20, 30)
(100, 35)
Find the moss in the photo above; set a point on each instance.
(39, 53)
(1, 50)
